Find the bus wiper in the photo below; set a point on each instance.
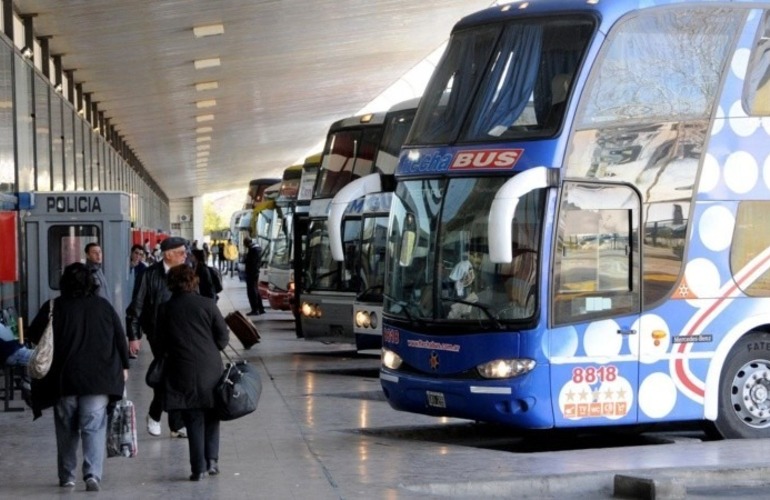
(316, 279)
(370, 290)
(405, 308)
(494, 318)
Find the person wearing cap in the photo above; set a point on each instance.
(142, 315)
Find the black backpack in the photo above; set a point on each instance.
(216, 279)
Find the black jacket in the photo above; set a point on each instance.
(89, 351)
(253, 261)
(191, 332)
(151, 291)
(205, 283)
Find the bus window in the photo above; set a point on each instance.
(528, 82)
(660, 66)
(751, 238)
(596, 260)
(646, 123)
(758, 80)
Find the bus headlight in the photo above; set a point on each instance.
(363, 320)
(391, 360)
(311, 310)
(373, 319)
(505, 368)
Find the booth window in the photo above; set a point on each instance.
(66, 244)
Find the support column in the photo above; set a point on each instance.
(197, 219)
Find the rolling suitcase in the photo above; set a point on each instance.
(243, 328)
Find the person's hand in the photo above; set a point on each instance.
(125, 375)
(134, 346)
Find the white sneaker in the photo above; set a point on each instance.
(181, 433)
(153, 426)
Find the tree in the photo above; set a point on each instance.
(212, 220)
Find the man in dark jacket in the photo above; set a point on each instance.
(142, 315)
(253, 263)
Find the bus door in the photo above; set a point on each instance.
(595, 305)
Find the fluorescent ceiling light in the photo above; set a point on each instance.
(209, 103)
(204, 130)
(203, 147)
(207, 63)
(202, 154)
(208, 30)
(204, 118)
(203, 138)
(206, 86)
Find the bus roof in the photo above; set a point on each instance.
(358, 121)
(408, 104)
(608, 11)
(292, 172)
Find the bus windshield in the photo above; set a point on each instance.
(323, 272)
(349, 155)
(525, 69)
(438, 264)
(372, 266)
(282, 250)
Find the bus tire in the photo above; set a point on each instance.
(744, 389)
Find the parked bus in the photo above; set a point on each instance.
(360, 210)
(256, 192)
(580, 234)
(278, 261)
(327, 292)
(262, 216)
(310, 168)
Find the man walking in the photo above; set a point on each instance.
(142, 315)
(253, 263)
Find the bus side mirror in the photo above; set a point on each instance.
(504, 207)
(407, 248)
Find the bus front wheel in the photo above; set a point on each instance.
(744, 389)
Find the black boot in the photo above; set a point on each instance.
(213, 467)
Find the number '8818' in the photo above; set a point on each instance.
(593, 374)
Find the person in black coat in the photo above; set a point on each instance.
(253, 263)
(191, 332)
(89, 369)
(142, 317)
(205, 283)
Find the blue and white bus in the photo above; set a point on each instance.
(580, 234)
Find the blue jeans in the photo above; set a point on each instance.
(81, 418)
(20, 357)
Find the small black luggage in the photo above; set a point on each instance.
(243, 328)
(238, 390)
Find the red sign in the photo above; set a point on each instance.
(486, 158)
(9, 269)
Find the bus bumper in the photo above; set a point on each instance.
(278, 300)
(511, 402)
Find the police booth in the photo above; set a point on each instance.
(59, 225)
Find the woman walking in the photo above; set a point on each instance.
(89, 369)
(192, 331)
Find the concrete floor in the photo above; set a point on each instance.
(324, 431)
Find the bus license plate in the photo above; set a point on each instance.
(436, 399)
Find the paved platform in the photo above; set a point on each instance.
(324, 431)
